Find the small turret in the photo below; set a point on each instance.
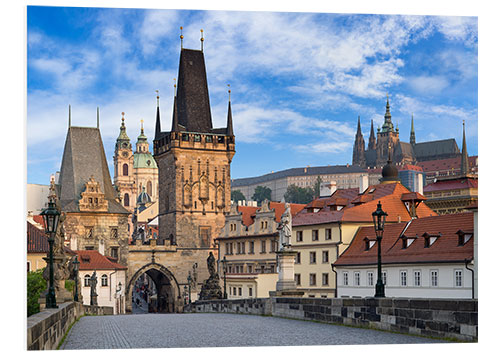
(412, 133)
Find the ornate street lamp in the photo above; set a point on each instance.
(51, 220)
(76, 266)
(378, 224)
(189, 286)
(224, 270)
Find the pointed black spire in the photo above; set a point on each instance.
(358, 154)
(158, 123)
(412, 132)
(229, 128)
(175, 119)
(359, 127)
(372, 141)
(464, 169)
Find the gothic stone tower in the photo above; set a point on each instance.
(194, 162)
(358, 151)
(387, 138)
(123, 168)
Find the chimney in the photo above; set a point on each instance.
(328, 188)
(420, 183)
(363, 183)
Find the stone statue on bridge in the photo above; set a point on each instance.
(93, 292)
(210, 289)
(285, 228)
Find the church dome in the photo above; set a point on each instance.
(389, 172)
(143, 198)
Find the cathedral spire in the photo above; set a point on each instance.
(464, 169)
(359, 127)
(229, 128)
(372, 141)
(358, 154)
(69, 116)
(387, 126)
(158, 123)
(412, 132)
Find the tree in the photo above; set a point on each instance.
(236, 196)
(317, 186)
(36, 284)
(261, 193)
(296, 194)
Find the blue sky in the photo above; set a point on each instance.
(298, 80)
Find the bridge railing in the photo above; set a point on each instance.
(442, 318)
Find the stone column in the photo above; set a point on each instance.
(286, 275)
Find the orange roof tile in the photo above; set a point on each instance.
(247, 214)
(453, 184)
(37, 240)
(444, 249)
(93, 260)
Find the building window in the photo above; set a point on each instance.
(297, 258)
(249, 268)
(185, 137)
(272, 269)
(299, 236)
(324, 279)
(114, 252)
(273, 246)
(312, 279)
(434, 278)
(417, 280)
(239, 291)
(370, 278)
(402, 275)
(250, 247)
(384, 277)
(297, 279)
(86, 280)
(325, 256)
(234, 291)
(345, 277)
(328, 234)
(312, 257)
(458, 278)
(197, 138)
(104, 280)
(114, 233)
(263, 246)
(126, 200)
(315, 235)
(357, 280)
(125, 170)
(250, 291)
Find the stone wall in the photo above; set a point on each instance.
(46, 328)
(98, 310)
(441, 318)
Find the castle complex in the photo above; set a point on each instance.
(387, 141)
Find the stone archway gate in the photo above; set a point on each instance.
(175, 262)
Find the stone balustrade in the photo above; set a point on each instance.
(441, 318)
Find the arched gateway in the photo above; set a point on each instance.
(168, 291)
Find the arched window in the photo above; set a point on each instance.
(126, 200)
(104, 280)
(87, 280)
(149, 188)
(125, 170)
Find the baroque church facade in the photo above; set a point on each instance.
(387, 142)
(135, 172)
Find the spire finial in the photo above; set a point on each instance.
(182, 37)
(97, 117)
(175, 86)
(123, 116)
(157, 98)
(69, 116)
(142, 126)
(229, 91)
(201, 39)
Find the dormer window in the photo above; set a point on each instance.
(406, 242)
(463, 237)
(372, 190)
(369, 243)
(429, 239)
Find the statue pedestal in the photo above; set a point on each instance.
(286, 277)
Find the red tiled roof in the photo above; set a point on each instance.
(37, 240)
(453, 184)
(446, 164)
(247, 214)
(412, 196)
(38, 219)
(444, 249)
(360, 209)
(93, 260)
(410, 167)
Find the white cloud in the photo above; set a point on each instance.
(428, 85)
(458, 28)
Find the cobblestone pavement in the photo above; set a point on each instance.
(217, 330)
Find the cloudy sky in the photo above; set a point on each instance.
(298, 81)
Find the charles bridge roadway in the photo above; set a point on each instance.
(217, 330)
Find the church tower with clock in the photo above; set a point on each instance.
(123, 168)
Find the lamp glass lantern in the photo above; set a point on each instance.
(50, 218)
(379, 217)
(51, 221)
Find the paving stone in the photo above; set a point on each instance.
(197, 330)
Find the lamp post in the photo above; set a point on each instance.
(76, 265)
(224, 270)
(189, 287)
(51, 220)
(378, 224)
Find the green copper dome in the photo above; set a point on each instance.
(144, 160)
